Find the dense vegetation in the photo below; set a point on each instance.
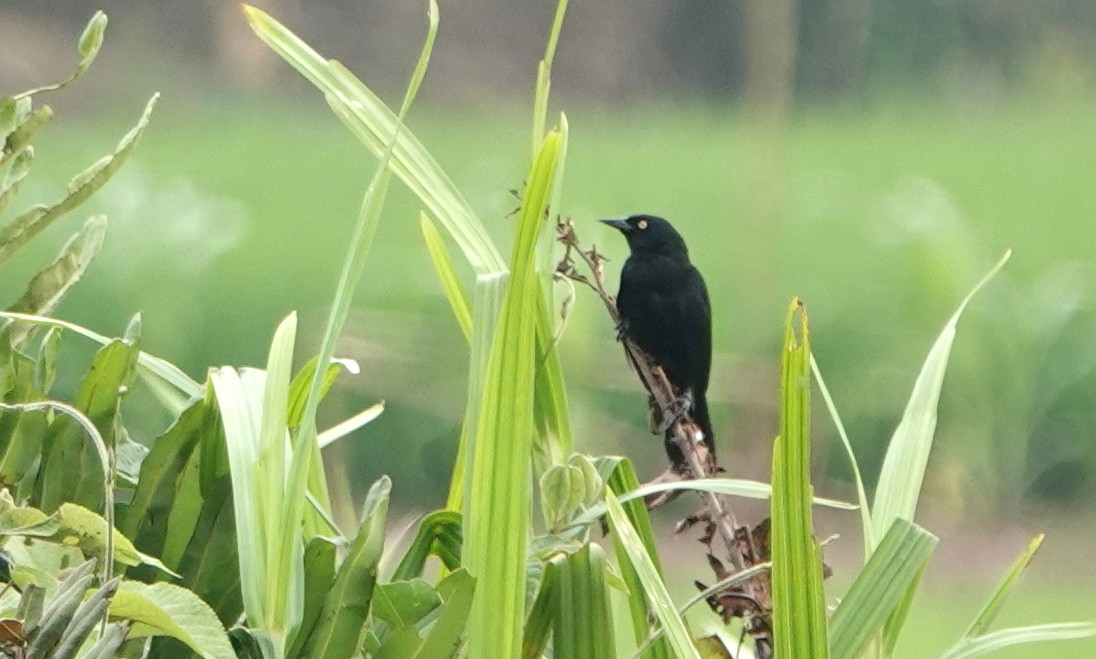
(203, 511)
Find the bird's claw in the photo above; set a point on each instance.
(622, 330)
(678, 409)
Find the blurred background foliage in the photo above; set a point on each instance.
(873, 157)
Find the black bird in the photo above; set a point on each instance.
(664, 308)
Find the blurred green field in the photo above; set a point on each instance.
(229, 217)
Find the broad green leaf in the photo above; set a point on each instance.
(497, 518)
(375, 125)
(658, 598)
(447, 273)
(879, 587)
(402, 604)
(538, 624)
(439, 535)
(16, 174)
(1005, 638)
(80, 527)
(985, 617)
(443, 639)
(562, 489)
(583, 624)
(319, 574)
(47, 287)
(21, 434)
(164, 609)
(799, 608)
(24, 227)
(157, 496)
(71, 469)
(91, 39)
(903, 468)
(210, 565)
(347, 604)
(45, 370)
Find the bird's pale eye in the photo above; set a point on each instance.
(642, 224)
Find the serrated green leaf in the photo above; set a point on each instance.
(210, 564)
(24, 227)
(80, 527)
(164, 609)
(879, 587)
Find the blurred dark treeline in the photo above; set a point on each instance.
(816, 49)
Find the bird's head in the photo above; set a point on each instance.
(648, 234)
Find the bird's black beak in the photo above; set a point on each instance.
(618, 224)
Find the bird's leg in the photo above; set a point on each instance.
(654, 416)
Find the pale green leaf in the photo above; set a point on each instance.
(799, 611)
(91, 39)
(986, 616)
(879, 587)
(1005, 638)
(658, 598)
(163, 609)
(907, 456)
(497, 518)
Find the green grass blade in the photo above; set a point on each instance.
(583, 624)
(737, 487)
(799, 610)
(375, 125)
(879, 588)
(544, 77)
(554, 441)
(456, 591)
(443, 264)
(538, 624)
(498, 519)
(986, 616)
(658, 597)
(861, 494)
(1005, 638)
(620, 477)
(903, 468)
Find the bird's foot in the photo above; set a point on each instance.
(622, 330)
(677, 410)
